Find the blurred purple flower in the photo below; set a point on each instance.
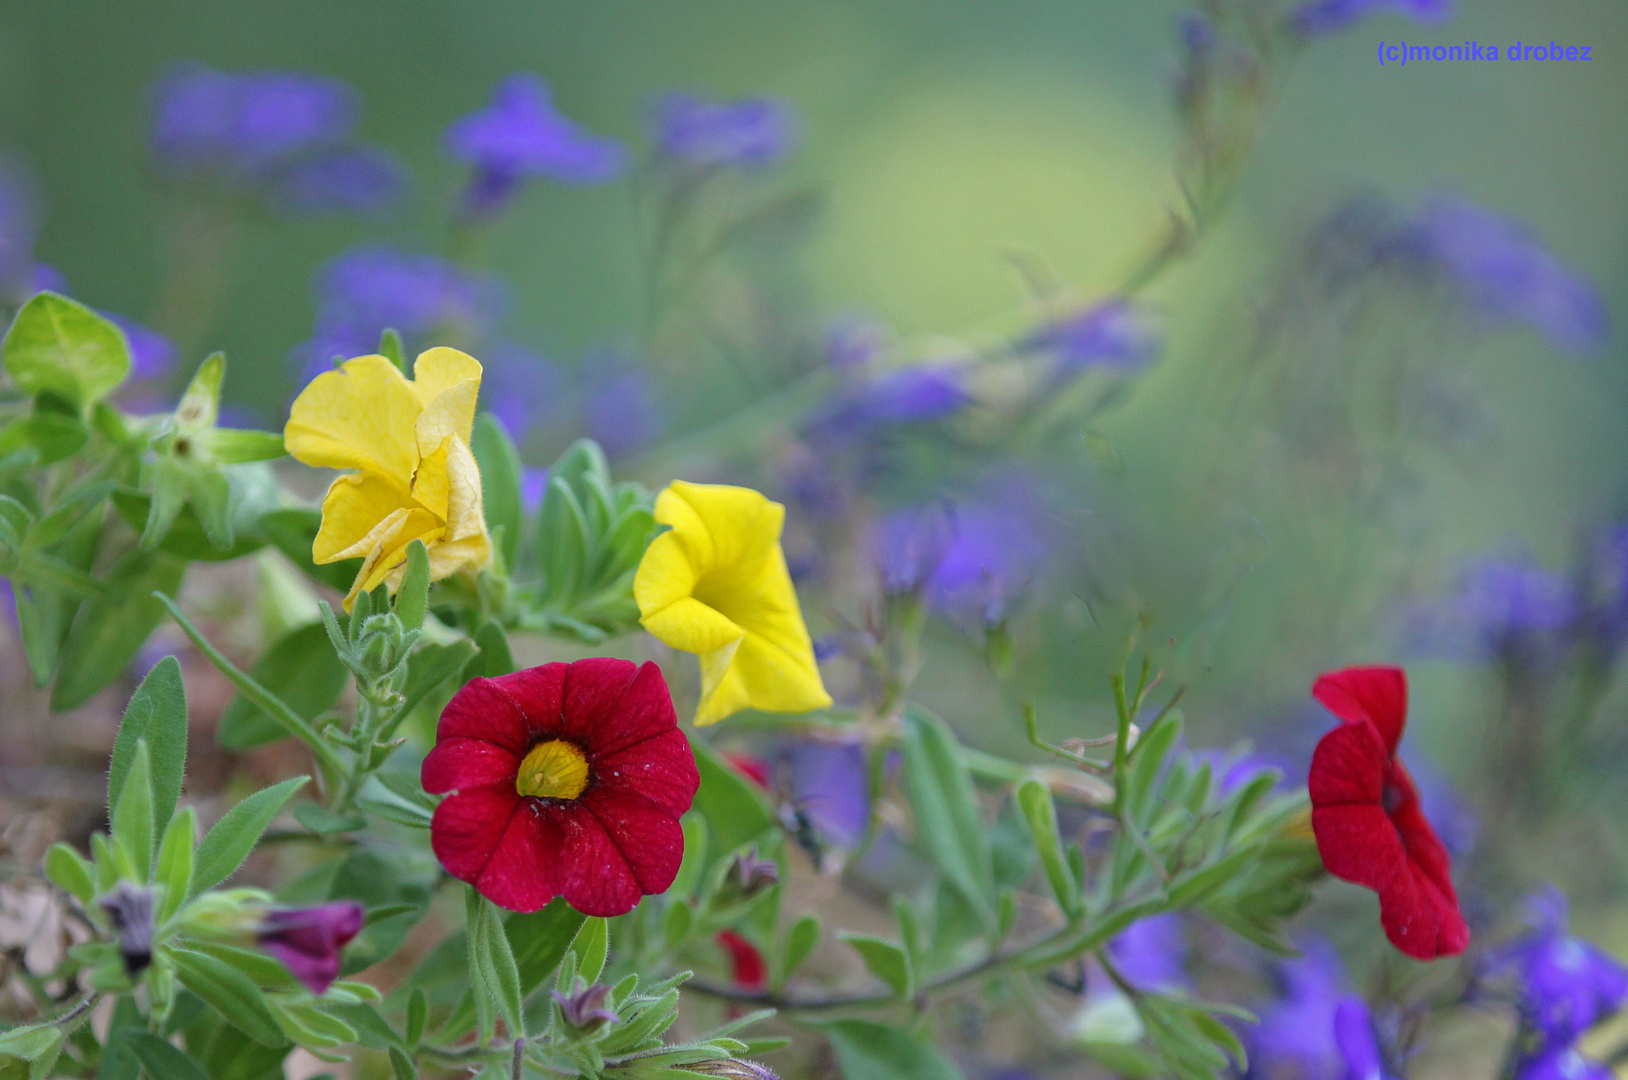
(520, 387)
(1507, 274)
(47, 278)
(909, 544)
(854, 342)
(1114, 335)
(373, 287)
(993, 555)
(754, 131)
(19, 230)
(584, 1006)
(309, 940)
(347, 180)
(242, 124)
(1297, 1031)
(152, 355)
(129, 908)
(1499, 604)
(1357, 1042)
(1566, 984)
(827, 784)
(1233, 771)
(619, 408)
(1151, 953)
(533, 484)
(1563, 1063)
(914, 395)
(520, 134)
(1327, 16)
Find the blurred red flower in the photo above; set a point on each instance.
(745, 961)
(566, 780)
(1366, 815)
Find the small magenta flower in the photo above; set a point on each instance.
(520, 135)
(309, 940)
(584, 1006)
(754, 131)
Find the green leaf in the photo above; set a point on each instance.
(110, 629)
(592, 944)
(563, 543)
(292, 531)
(186, 538)
(262, 970)
(886, 961)
(801, 940)
(735, 813)
(29, 1042)
(54, 435)
(418, 1011)
(61, 347)
(175, 862)
(310, 1026)
(401, 1065)
(233, 446)
(413, 597)
(494, 658)
(319, 819)
(235, 835)
(133, 816)
(493, 972)
(303, 671)
(158, 713)
(1149, 757)
(867, 1050)
(499, 465)
(539, 940)
(200, 404)
(945, 806)
(1035, 800)
(391, 348)
(70, 872)
(229, 992)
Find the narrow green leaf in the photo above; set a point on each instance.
(401, 1065)
(1150, 754)
(302, 671)
(132, 819)
(592, 944)
(562, 542)
(157, 712)
(945, 805)
(499, 463)
(235, 835)
(886, 961)
(801, 940)
(867, 1050)
(391, 348)
(540, 939)
(55, 436)
(506, 974)
(1035, 800)
(495, 658)
(70, 872)
(233, 446)
(230, 992)
(735, 812)
(175, 862)
(59, 346)
(418, 1011)
(111, 628)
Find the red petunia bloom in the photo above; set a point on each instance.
(567, 780)
(1366, 814)
(746, 963)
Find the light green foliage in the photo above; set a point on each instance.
(59, 347)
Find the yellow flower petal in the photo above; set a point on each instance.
(358, 417)
(386, 561)
(716, 584)
(354, 511)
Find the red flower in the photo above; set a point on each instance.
(566, 780)
(754, 769)
(745, 961)
(1365, 813)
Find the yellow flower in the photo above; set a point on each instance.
(415, 478)
(716, 584)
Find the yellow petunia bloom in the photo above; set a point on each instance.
(415, 478)
(716, 584)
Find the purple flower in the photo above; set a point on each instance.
(1297, 1031)
(520, 387)
(1327, 16)
(130, 909)
(1499, 605)
(152, 355)
(241, 125)
(993, 556)
(753, 131)
(308, 940)
(1114, 335)
(854, 343)
(1566, 984)
(1563, 1063)
(1506, 273)
(749, 874)
(584, 1006)
(619, 406)
(19, 229)
(349, 179)
(1151, 953)
(910, 543)
(520, 134)
(829, 788)
(1358, 1044)
(533, 485)
(373, 287)
(1232, 772)
(47, 278)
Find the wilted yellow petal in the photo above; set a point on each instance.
(355, 508)
(360, 416)
(716, 584)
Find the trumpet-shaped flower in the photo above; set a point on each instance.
(716, 584)
(415, 476)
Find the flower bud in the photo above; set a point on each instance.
(309, 940)
(750, 875)
(130, 909)
(732, 1069)
(584, 1007)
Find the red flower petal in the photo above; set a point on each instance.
(745, 960)
(467, 827)
(610, 705)
(661, 769)
(594, 876)
(520, 875)
(649, 838)
(539, 693)
(465, 763)
(1348, 766)
(483, 711)
(1378, 695)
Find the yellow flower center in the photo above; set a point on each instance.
(552, 770)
